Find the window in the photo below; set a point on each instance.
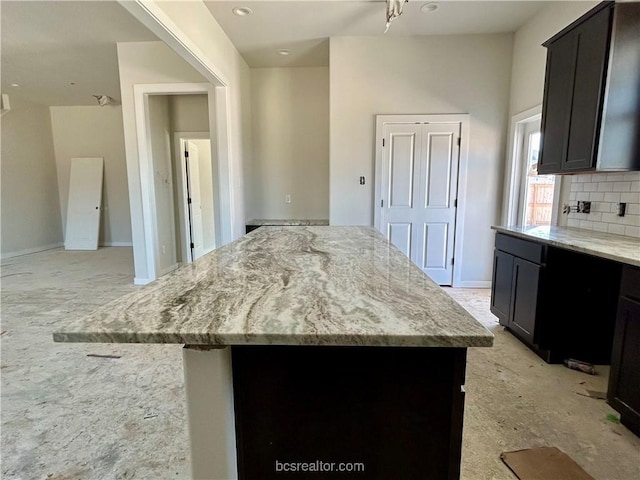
(537, 191)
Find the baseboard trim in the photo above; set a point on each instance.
(473, 284)
(116, 244)
(29, 251)
(141, 281)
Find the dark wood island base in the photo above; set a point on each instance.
(378, 412)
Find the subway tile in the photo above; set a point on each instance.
(632, 231)
(605, 187)
(617, 229)
(573, 223)
(633, 208)
(600, 207)
(572, 196)
(612, 197)
(621, 186)
(635, 186)
(591, 187)
(596, 196)
(632, 177)
(630, 220)
(600, 226)
(586, 224)
(610, 218)
(595, 216)
(582, 178)
(577, 187)
(630, 197)
(580, 196)
(615, 177)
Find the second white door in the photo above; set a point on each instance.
(419, 188)
(194, 199)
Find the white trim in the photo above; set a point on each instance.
(464, 120)
(513, 168)
(218, 98)
(156, 20)
(142, 281)
(116, 244)
(473, 284)
(29, 251)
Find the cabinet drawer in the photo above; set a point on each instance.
(532, 251)
(630, 284)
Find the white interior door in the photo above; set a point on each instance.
(83, 209)
(194, 200)
(419, 190)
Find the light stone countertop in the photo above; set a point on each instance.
(605, 245)
(288, 222)
(283, 286)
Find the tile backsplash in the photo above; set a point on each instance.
(605, 191)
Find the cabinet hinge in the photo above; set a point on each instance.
(186, 154)
(192, 246)
(459, 141)
(189, 201)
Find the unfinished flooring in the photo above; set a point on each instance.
(66, 415)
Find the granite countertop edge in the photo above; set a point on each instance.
(618, 248)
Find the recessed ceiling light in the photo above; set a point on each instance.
(284, 52)
(242, 11)
(72, 83)
(15, 85)
(429, 7)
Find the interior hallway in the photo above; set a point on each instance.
(69, 416)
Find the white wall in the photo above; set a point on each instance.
(195, 26)
(144, 63)
(290, 130)
(94, 131)
(529, 63)
(421, 75)
(160, 140)
(189, 113)
(30, 204)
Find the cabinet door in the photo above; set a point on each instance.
(556, 107)
(624, 379)
(526, 277)
(501, 286)
(592, 43)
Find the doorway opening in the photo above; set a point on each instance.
(196, 194)
(421, 164)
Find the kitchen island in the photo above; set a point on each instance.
(307, 349)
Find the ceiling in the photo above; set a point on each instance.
(303, 27)
(63, 52)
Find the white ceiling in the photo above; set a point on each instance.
(303, 27)
(48, 45)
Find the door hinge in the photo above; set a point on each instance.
(186, 154)
(192, 246)
(189, 201)
(452, 260)
(381, 203)
(383, 142)
(455, 203)
(459, 140)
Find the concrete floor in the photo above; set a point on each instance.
(69, 416)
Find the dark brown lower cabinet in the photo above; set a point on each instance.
(375, 413)
(623, 393)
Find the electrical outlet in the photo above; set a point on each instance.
(287, 198)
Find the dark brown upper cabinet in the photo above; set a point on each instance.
(591, 106)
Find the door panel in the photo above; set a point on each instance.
(525, 298)
(501, 286)
(438, 169)
(419, 187)
(434, 246)
(85, 198)
(400, 235)
(195, 207)
(401, 164)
